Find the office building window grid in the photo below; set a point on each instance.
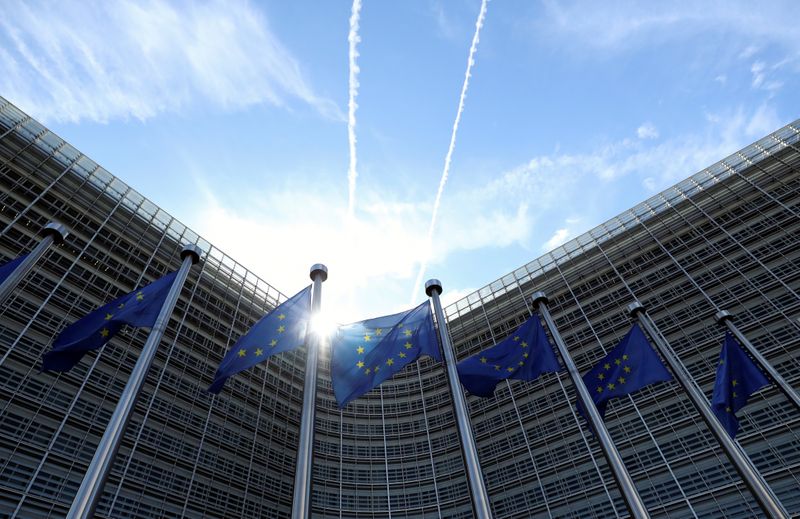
(732, 230)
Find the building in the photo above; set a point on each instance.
(732, 230)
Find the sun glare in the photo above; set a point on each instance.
(323, 324)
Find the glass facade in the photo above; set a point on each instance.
(727, 237)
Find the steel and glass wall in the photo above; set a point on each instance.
(186, 453)
(732, 230)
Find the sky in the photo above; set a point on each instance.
(400, 141)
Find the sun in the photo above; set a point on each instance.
(323, 325)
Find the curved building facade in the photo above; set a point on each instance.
(727, 237)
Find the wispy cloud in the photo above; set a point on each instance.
(70, 61)
(449, 156)
(353, 39)
(535, 206)
(620, 24)
(371, 259)
(647, 131)
(558, 238)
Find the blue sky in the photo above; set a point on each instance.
(234, 117)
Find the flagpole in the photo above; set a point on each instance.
(480, 498)
(724, 318)
(53, 233)
(91, 488)
(750, 476)
(301, 504)
(632, 498)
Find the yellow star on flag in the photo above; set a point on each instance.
(378, 331)
(483, 360)
(401, 355)
(367, 337)
(109, 316)
(360, 364)
(104, 332)
(139, 296)
(407, 333)
(407, 345)
(281, 329)
(242, 353)
(273, 342)
(360, 350)
(390, 361)
(281, 317)
(259, 352)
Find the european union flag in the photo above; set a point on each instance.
(139, 308)
(523, 355)
(282, 329)
(737, 378)
(7, 268)
(630, 366)
(366, 353)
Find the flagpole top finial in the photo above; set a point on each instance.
(190, 249)
(57, 230)
(539, 297)
(318, 269)
(636, 307)
(433, 285)
(722, 316)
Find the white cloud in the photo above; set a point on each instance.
(721, 79)
(68, 61)
(558, 238)
(281, 231)
(748, 52)
(620, 24)
(647, 131)
(757, 70)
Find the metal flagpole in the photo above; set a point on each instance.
(750, 476)
(301, 504)
(52, 233)
(632, 498)
(91, 488)
(480, 498)
(724, 318)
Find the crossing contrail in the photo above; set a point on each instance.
(471, 61)
(353, 38)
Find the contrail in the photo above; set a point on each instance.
(353, 38)
(471, 61)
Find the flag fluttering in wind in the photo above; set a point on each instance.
(523, 355)
(366, 353)
(282, 329)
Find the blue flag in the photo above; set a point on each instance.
(366, 353)
(282, 329)
(630, 366)
(7, 268)
(139, 308)
(737, 378)
(523, 355)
